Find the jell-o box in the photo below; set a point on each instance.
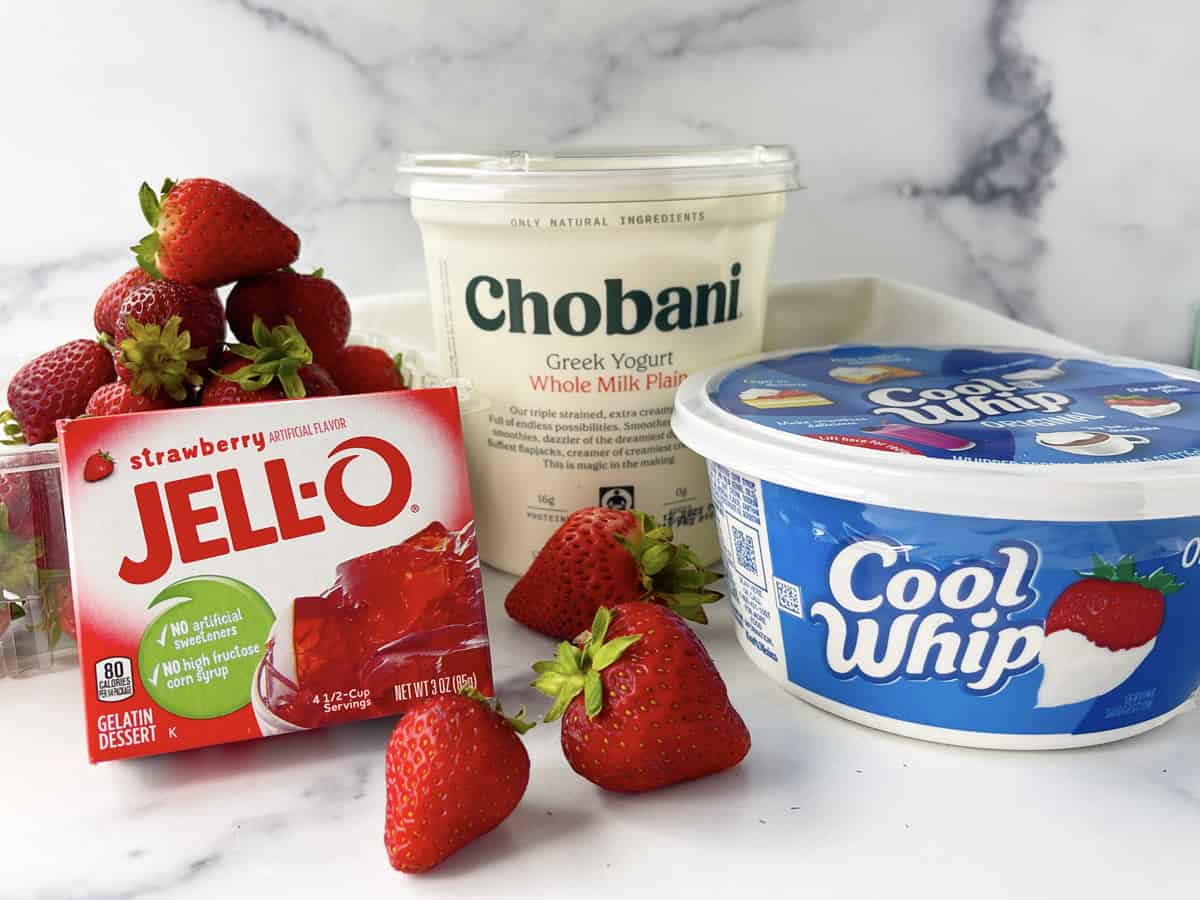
(259, 569)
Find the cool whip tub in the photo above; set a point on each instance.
(577, 290)
(973, 546)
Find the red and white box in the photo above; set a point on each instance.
(264, 568)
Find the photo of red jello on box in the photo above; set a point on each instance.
(266, 568)
(400, 623)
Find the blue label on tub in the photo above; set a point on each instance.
(981, 405)
(984, 625)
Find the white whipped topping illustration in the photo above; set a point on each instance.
(1074, 669)
(1038, 374)
(755, 393)
(1148, 412)
(858, 371)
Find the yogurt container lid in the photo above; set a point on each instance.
(599, 174)
(993, 432)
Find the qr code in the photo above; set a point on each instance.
(745, 551)
(787, 595)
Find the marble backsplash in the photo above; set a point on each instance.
(1034, 157)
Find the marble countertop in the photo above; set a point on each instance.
(820, 807)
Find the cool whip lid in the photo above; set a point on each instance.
(599, 174)
(993, 432)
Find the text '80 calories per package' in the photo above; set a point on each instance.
(260, 569)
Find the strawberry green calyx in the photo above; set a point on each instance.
(280, 354)
(517, 722)
(146, 250)
(10, 429)
(160, 357)
(670, 573)
(1125, 572)
(576, 667)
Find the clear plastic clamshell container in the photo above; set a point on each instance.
(37, 618)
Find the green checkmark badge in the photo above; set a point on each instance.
(198, 659)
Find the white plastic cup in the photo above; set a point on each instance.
(576, 290)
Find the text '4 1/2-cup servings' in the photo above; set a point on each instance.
(576, 290)
(988, 547)
(257, 569)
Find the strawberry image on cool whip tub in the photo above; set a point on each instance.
(1100, 629)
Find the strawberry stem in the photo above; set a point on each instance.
(161, 357)
(1125, 572)
(146, 250)
(518, 723)
(10, 429)
(277, 354)
(671, 573)
(576, 668)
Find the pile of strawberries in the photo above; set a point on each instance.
(162, 326)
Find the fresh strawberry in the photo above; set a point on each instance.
(167, 334)
(644, 705)
(18, 562)
(16, 504)
(223, 389)
(118, 397)
(313, 303)
(59, 599)
(602, 557)
(57, 385)
(33, 548)
(208, 234)
(317, 382)
(105, 314)
(98, 466)
(276, 366)
(360, 369)
(456, 769)
(1113, 606)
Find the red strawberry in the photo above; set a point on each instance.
(223, 390)
(58, 594)
(98, 466)
(31, 511)
(644, 705)
(16, 504)
(317, 382)
(117, 398)
(207, 234)
(602, 557)
(153, 353)
(1113, 606)
(313, 303)
(18, 563)
(455, 770)
(360, 369)
(105, 315)
(57, 385)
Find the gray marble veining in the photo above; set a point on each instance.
(1030, 157)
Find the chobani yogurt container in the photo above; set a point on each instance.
(577, 290)
(986, 547)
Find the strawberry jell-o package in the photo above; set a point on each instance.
(251, 570)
